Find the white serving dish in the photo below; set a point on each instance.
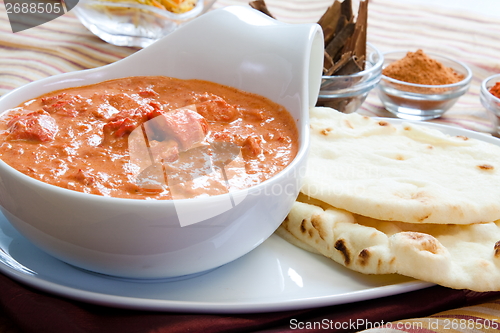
(149, 238)
(276, 276)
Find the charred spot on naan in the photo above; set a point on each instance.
(496, 249)
(422, 242)
(486, 167)
(326, 131)
(341, 246)
(304, 229)
(423, 218)
(317, 224)
(364, 257)
(312, 228)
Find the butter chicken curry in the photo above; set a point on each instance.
(149, 137)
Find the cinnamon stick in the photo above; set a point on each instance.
(339, 40)
(353, 65)
(346, 9)
(328, 21)
(261, 6)
(344, 35)
(344, 59)
(360, 31)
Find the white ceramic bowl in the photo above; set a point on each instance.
(166, 239)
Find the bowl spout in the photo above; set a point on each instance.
(243, 48)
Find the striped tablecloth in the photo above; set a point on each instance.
(64, 45)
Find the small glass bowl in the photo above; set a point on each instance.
(420, 101)
(490, 101)
(130, 24)
(346, 93)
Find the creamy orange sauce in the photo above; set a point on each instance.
(149, 137)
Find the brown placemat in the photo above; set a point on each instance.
(34, 311)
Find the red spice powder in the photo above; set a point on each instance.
(495, 90)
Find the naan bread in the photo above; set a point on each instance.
(405, 173)
(455, 256)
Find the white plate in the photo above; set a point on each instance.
(276, 276)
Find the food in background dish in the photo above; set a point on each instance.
(174, 6)
(417, 67)
(137, 137)
(495, 90)
(384, 198)
(422, 101)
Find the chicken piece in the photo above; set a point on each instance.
(123, 101)
(214, 108)
(252, 147)
(164, 137)
(135, 107)
(65, 105)
(38, 126)
(184, 126)
(120, 127)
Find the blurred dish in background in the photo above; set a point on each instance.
(137, 23)
(490, 98)
(174, 6)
